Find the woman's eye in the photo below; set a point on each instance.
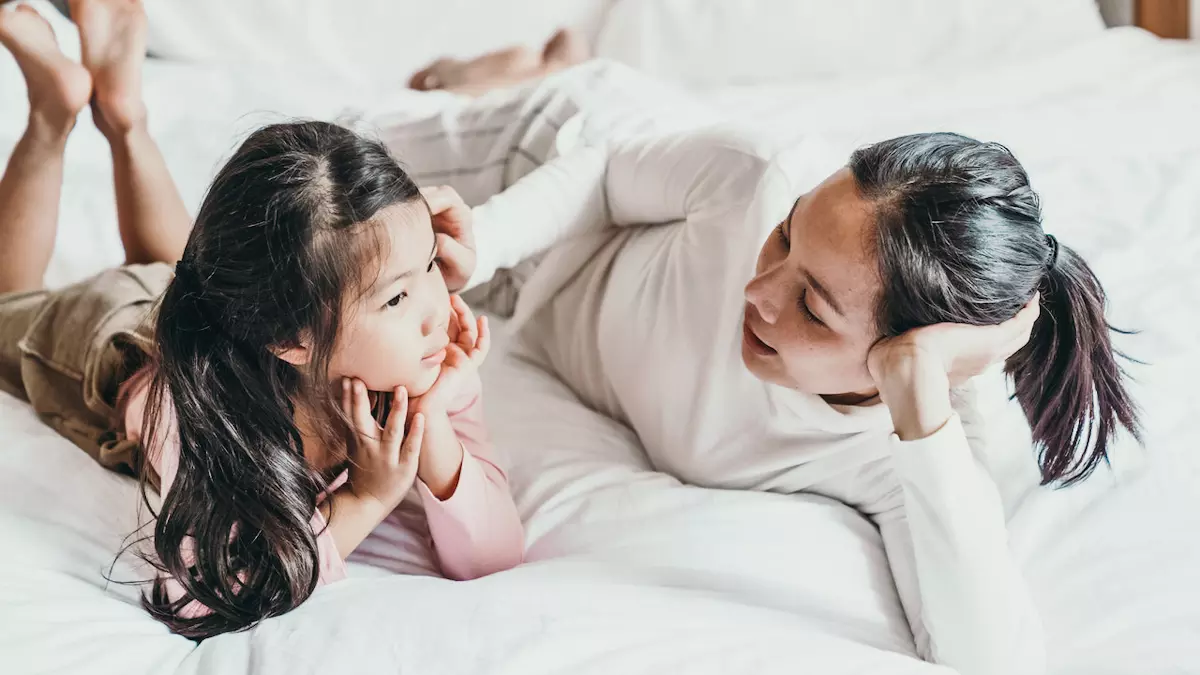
(781, 230)
(396, 300)
(803, 304)
(432, 263)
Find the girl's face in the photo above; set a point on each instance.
(809, 314)
(395, 334)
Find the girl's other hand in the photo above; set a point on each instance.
(471, 339)
(383, 460)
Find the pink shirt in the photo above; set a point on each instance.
(476, 531)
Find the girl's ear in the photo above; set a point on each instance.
(296, 354)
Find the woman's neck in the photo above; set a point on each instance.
(852, 399)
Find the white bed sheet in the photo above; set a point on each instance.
(630, 571)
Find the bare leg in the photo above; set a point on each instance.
(153, 221)
(32, 182)
(503, 68)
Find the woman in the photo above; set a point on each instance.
(768, 342)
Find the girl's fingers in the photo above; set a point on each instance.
(346, 402)
(394, 432)
(484, 343)
(362, 411)
(466, 323)
(410, 450)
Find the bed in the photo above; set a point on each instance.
(623, 576)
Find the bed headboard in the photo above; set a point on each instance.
(1167, 18)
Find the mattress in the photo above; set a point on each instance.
(629, 570)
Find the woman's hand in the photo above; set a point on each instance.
(915, 371)
(454, 229)
(383, 461)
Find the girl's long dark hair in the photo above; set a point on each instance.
(280, 244)
(960, 239)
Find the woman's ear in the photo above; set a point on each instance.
(296, 354)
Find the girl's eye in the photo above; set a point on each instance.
(432, 263)
(781, 230)
(396, 300)
(807, 312)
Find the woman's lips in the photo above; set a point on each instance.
(753, 342)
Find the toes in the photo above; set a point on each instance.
(566, 47)
(423, 80)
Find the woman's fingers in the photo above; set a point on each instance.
(448, 209)
(452, 251)
(1015, 332)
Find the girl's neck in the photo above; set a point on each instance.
(316, 451)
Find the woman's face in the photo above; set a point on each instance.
(809, 315)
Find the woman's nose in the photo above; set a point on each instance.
(765, 293)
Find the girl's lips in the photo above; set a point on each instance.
(435, 358)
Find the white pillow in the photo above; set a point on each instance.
(359, 40)
(718, 42)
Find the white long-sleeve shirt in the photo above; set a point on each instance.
(644, 322)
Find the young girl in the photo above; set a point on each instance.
(309, 281)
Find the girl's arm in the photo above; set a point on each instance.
(383, 467)
(475, 525)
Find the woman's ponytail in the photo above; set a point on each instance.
(1068, 378)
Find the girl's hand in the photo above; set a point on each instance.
(915, 371)
(383, 461)
(453, 227)
(471, 339)
(962, 351)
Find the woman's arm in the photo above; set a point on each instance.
(948, 546)
(948, 543)
(644, 180)
(562, 198)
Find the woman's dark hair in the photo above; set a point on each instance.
(959, 239)
(281, 242)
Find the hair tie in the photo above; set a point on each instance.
(1053, 243)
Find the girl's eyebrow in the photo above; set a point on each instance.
(381, 284)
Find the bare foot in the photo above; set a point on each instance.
(495, 69)
(503, 68)
(565, 49)
(113, 36)
(58, 87)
